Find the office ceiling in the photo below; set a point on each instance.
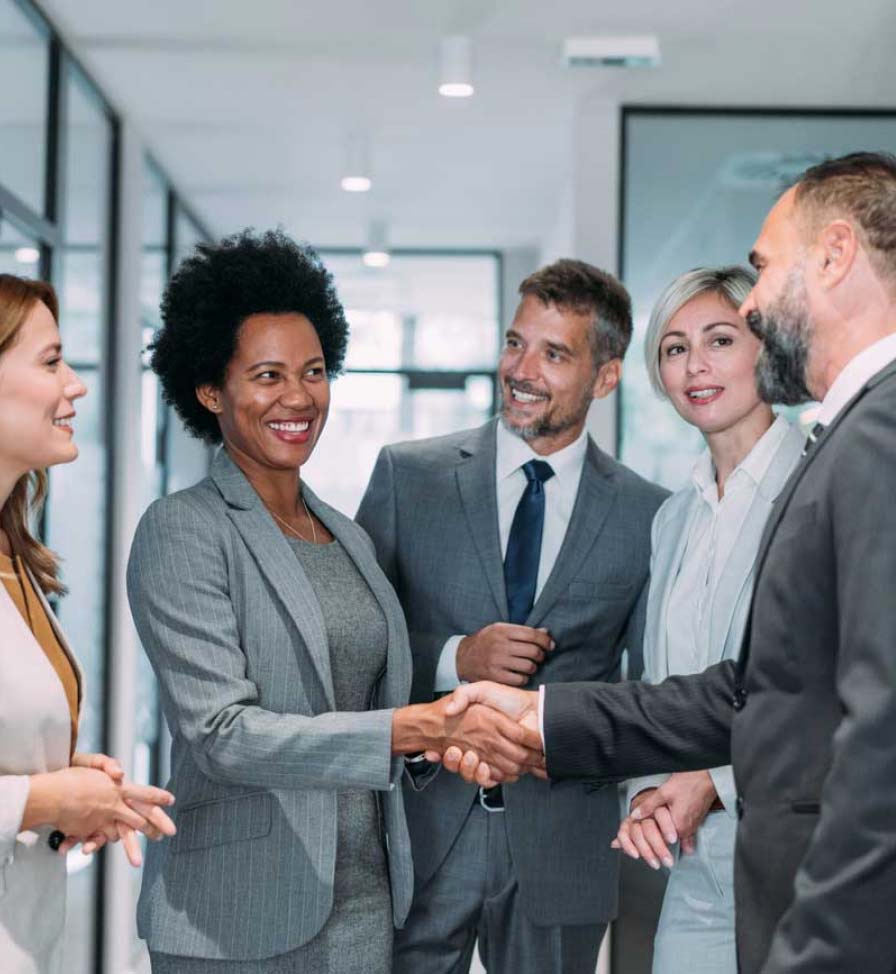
(248, 104)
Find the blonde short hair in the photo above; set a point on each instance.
(732, 284)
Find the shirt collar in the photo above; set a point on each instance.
(754, 465)
(854, 375)
(512, 451)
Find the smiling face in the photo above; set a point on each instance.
(37, 395)
(274, 401)
(547, 375)
(707, 365)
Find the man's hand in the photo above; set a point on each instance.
(666, 815)
(498, 741)
(503, 652)
(520, 706)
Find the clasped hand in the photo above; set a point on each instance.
(100, 805)
(492, 734)
(662, 816)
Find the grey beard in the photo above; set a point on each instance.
(548, 425)
(782, 361)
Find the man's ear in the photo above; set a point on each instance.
(607, 378)
(210, 397)
(836, 246)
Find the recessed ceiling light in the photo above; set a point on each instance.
(375, 258)
(355, 184)
(356, 172)
(456, 77)
(27, 255)
(376, 251)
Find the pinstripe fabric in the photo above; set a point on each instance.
(230, 623)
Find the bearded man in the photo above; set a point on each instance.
(807, 715)
(520, 553)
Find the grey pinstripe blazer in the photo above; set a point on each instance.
(237, 640)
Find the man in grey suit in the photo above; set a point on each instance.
(807, 714)
(520, 553)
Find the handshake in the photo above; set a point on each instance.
(485, 732)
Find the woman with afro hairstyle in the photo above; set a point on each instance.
(279, 645)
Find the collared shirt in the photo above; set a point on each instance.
(560, 492)
(854, 375)
(713, 533)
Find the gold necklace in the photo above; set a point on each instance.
(295, 531)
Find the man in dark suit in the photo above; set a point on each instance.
(808, 713)
(520, 553)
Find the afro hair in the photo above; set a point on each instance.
(214, 291)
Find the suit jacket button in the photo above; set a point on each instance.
(740, 698)
(739, 807)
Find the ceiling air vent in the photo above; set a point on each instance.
(633, 51)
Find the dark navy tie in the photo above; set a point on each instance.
(524, 543)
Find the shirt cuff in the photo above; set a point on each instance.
(446, 671)
(544, 743)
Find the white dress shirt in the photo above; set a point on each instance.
(713, 533)
(510, 482)
(854, 375)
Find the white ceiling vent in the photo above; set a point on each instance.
(631, 51)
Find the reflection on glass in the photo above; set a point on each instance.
(697, 188)
(369, 411)
(77, 507)
(19, 253)
(24, 73)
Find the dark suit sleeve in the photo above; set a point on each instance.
(842, 916)
(612, 731)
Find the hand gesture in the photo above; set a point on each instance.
(93, 803)
(520, 706)
(662, 816)
(503, 652)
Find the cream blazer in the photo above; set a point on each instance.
(35, 736)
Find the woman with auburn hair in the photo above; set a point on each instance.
(51, 796)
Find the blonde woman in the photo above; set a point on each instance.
(701, 356)
(51, 796)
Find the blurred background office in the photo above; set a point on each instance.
(435, 154)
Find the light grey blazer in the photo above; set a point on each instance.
(237, 640)
(730, 605)
(35, 736)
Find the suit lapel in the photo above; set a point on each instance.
(476, 484)
(398, 676)
(278, 563)
(595, 497)
(780, 506)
